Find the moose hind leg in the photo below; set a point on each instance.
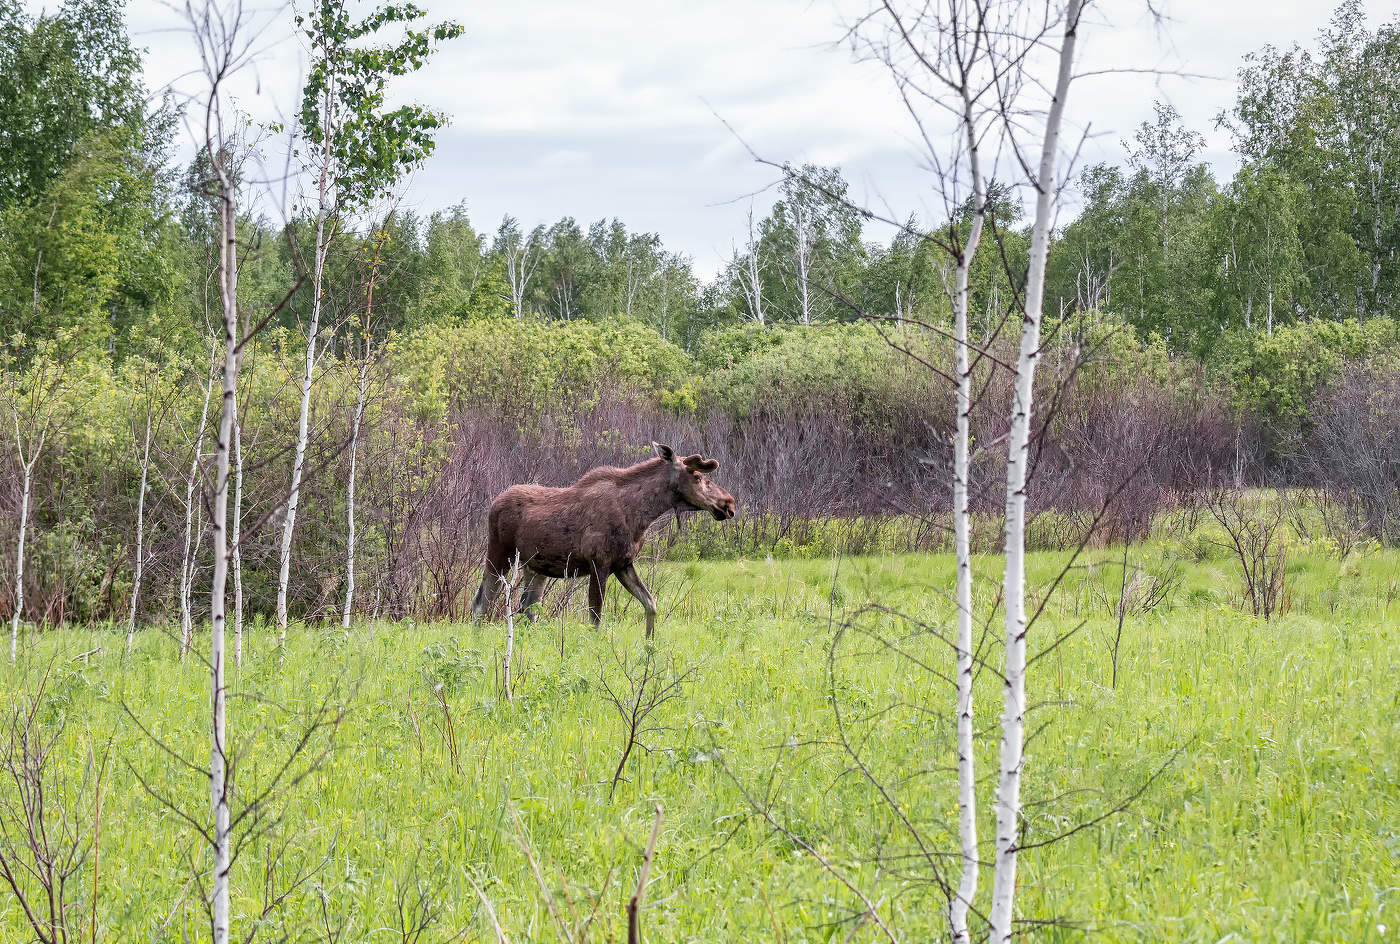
(629, 578)
(597, 584)
(490, 584)
(534, 589)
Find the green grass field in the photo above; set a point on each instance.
(1267, 756)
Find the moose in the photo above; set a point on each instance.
(595, 527)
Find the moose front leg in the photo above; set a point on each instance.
(629, 578)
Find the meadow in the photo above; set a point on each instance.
(1256, 763)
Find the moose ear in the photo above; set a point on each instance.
(698, 463)
(664, 452)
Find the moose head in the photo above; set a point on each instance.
(690, 478)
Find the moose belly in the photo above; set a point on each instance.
(560, 546)
(550, 565)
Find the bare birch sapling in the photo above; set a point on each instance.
(140, 563)
(26, 463)
(218, 753)
(1008, 797)
(325, 231)
(190, 553)
(360, 388)
(236, 549)
(967, 777)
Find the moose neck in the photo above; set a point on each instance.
(654, 497)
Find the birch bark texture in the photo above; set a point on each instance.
(322, 248)
(218, 751)
(967, 776)
(218, 31)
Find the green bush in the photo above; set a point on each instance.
(531, 365)
(1276, 378)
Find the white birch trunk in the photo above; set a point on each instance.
(520, 268)
(804, 261)
(751, 280)
(967, 779)
(191, 548)
(218, 752)
(19, 551)
(236, 556)
(1008, 797)
(140, 538)
(289, 521)
(509, 586)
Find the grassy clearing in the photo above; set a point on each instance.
(1274, 814)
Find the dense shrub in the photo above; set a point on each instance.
(1353, 450)
(832, 440)
(1276, 378)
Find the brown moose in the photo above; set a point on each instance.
(594, 527)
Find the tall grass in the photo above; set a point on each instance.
(1274, 817)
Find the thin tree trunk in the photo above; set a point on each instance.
(1008, 799)
(350, 495)
(510, 583)
(186, 561)
(355, 440)
(140, 538)
(218, 752)
(804, 260)
(967, 780)
(236, 557)
(289, 522)
(19, 552)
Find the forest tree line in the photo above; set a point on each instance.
(104, 241)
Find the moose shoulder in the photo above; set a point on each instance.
(593, 528)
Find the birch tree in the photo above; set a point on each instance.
(358, 148)
(814, 227)
(365, 354)
(193, 536)
(146, 376)
(33, 407)
(748, 271)
(222, 34)
(521, 255)
(942, 58)
(1046, 185)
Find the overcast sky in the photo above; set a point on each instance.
(560, 107)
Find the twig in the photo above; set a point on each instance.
(634, 906)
